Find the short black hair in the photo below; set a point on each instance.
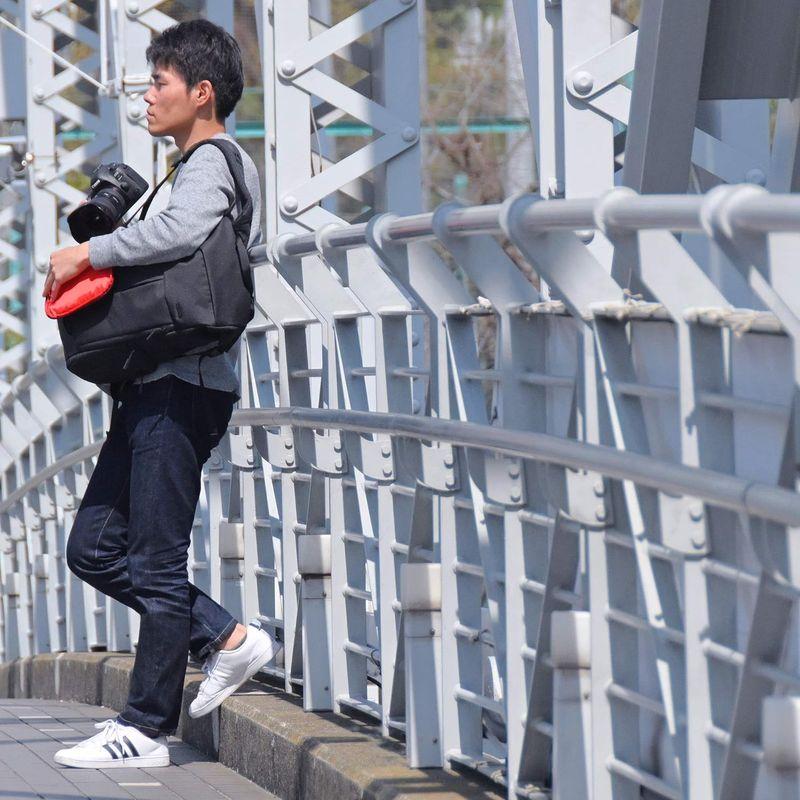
(200, 50)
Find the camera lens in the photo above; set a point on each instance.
(111, 196)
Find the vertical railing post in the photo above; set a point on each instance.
(570, 648)
(314, 566)
(421, 597)
(780, 736)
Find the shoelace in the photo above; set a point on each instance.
(110, 730)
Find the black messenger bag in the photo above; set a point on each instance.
(197, 305)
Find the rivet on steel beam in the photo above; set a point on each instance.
(40, 179)
(601, 513)
(289, 461)
(338, 463)
(288, 68)
(43, 264)
(387, 472)
(756, 176)
(132, 8)
(410, 134)
(583, 82)
(288, 443)
(516, 497)
(37, 11)
(585, 236)
(696, 512)
(386, 451)
(448, 461)
(289, 204)
(513, 472)
(599, 489)
(134, 113)
(38, 94)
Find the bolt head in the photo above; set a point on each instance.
(410, 134)
(696, 512)
(338, 463)
(289, 204)
(135, 112)
(600, 513)
(40, 179)
(38, 94)
(289, 461)
(583, 82)
(37, 11)
(387, 472)
(756, 176)
(133, 7)
(288, 444)
(585, 236)
(599, 489)
(288, 68)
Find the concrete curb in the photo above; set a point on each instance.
(260, 732)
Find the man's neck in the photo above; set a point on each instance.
(200, 131)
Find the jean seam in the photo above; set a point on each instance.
(140, 725)
(105, 522)
(227, 631)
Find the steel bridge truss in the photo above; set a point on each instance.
(573, 569)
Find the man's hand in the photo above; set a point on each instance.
(65, 264)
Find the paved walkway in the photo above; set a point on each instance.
(32, 730)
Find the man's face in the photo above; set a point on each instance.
(171, 106)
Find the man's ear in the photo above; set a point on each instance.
(205, 93)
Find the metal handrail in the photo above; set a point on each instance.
(745, 208)
(719, 489)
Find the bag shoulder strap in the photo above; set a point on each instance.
(234, 160)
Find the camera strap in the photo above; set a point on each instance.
(146, 205)
(240, 189)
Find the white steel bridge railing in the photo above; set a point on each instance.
(573, 565)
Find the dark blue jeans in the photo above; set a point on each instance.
(132, 532)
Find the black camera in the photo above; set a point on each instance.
(114, 189)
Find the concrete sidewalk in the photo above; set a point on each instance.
(259, 731)
(32, 730)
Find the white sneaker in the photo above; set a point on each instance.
(227, 670)
(117, 745)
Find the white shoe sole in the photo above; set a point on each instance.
(103, 763)
(259, 659)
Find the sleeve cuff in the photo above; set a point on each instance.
(100, 252)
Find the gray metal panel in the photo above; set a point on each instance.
(752, 50)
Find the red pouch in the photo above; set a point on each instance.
(81, 290)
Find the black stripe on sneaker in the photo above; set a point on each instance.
(111, 750)
(130, 745)
(122, 752)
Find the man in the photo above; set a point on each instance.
(132, 530)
